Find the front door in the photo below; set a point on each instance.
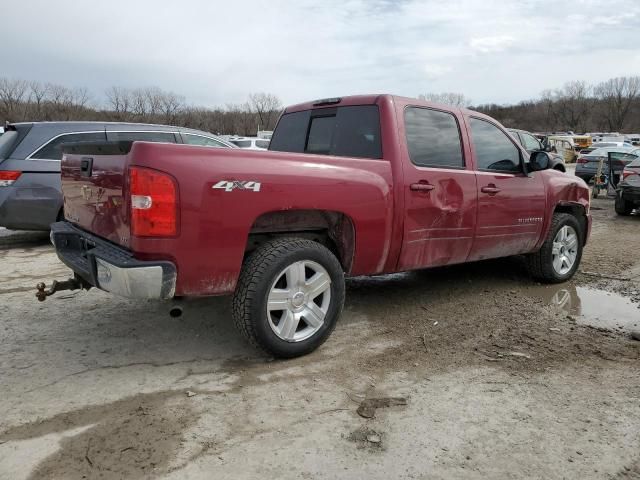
(511, 205)
(439, 190)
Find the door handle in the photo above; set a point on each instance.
(490, 189)
(422, 187)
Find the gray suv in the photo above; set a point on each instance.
(30, 154)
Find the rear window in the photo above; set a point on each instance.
(262, 143)
(53, 149)
(343, 131)
(166, 137)
(8, 141)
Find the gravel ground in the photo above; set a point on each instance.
(475, 370)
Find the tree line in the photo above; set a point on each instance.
(609, 106)
(22, 100)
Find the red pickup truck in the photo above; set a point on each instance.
(360, 185)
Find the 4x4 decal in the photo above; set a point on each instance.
(230, 185)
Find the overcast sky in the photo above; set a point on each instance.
(215, 52)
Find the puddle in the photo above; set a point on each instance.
(597, 308)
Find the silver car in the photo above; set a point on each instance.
(587, 164)
(30, 154)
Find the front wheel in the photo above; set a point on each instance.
(560, 255)
(289, 296)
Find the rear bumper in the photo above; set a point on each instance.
(112, 268)
(631, 195)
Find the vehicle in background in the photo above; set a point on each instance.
(265, 134)
(634, 138)
(250, 143)
(350, 186)
(581, 141)
(30, 154)
(628, 191)
(564, 146)
(532, 144)
(587, 164)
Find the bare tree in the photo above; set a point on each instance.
(574, 102)
(266, 106)
(119, 100)
(12, 96)
(617, 95)
(38, 97)
(447, 98)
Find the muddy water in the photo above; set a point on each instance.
(594, 307)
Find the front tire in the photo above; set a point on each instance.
(289, 296)
(559, 257)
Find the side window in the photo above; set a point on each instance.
(494, 150)
(262, 143)
(433, 138)
(166, 137)
(200, 140)
(53, 150)
(530, 142)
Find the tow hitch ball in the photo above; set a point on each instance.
(42, 293)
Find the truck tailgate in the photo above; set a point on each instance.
(94, 189)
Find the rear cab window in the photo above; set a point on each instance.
(350, 131)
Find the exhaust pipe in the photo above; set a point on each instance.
(175, 312)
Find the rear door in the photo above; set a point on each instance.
(511, 204)
(439, 189)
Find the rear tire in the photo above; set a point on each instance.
(289, 273)
(623, 207)
(559, 257)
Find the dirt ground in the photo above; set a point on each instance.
(472, 371)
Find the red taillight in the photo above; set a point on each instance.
(581, 160)
(7, 177)
(627, 173)
(154, 203)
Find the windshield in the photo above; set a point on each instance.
(8, 142)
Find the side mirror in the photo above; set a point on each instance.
(539, 161)
(548, 147)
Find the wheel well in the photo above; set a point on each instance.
(334, 230)
(577, 211)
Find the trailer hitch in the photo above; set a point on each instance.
(71, 284)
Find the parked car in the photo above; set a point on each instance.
(250, 143)
(30, 153)
(531, 144)
(564, 146)
(360, 185)
(628, 191)
(587, 165)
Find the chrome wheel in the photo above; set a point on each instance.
(298, 301)
(565, 250)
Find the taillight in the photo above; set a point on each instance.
(7, 177)
(581, 160)
(154, 203)
(627, 173)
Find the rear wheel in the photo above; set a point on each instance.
(560, 255)
(289, 296)
(621, 206)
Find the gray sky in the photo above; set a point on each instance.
(216, 52)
